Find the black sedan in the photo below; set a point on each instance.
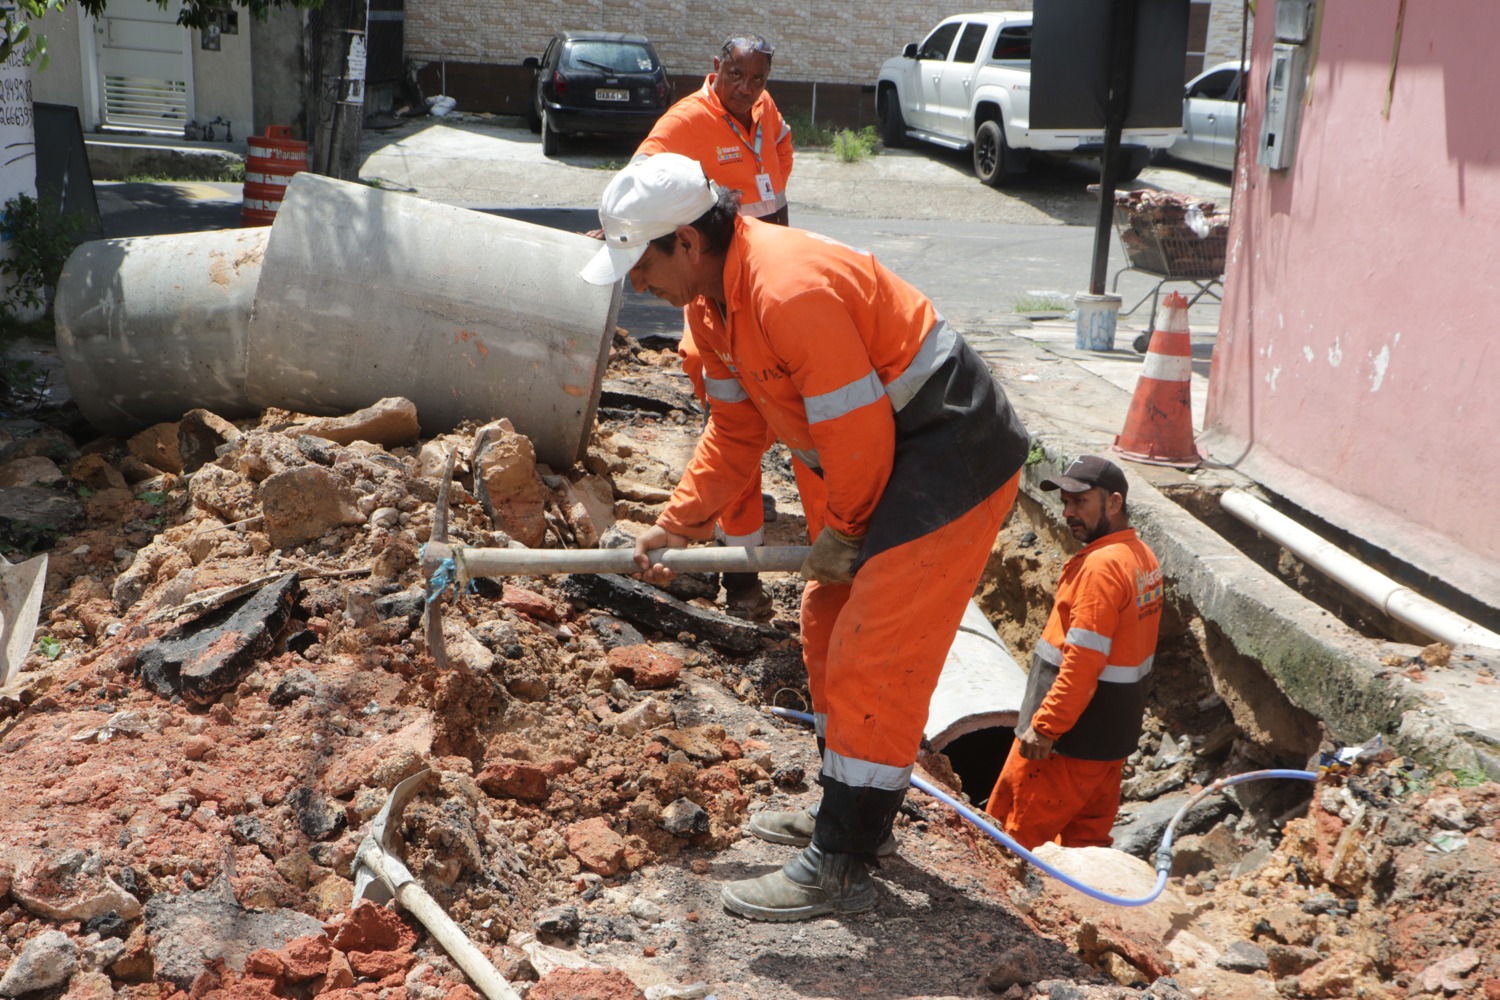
(595, 81)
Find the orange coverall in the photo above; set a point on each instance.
(1086, 690)
(698, 126)
(903, 438)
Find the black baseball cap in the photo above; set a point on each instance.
(1087, 472)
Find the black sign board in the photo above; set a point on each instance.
(1071, 46)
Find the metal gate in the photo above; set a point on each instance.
(145, 70)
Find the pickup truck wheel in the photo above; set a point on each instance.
(551, 139)
(991, 155)
(1132, 161)
(892, 124)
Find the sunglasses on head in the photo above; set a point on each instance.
(750, 43)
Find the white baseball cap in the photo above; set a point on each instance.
(649, 198)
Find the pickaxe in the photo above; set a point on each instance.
(380, 875)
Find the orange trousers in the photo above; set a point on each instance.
(744, 520)
(874, 649)
(1066, 799)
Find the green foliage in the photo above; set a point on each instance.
(851, 146)
(232, 172)
(154, 497)
(27, 539)
(806, 134)
(17, 16)
(1463, 777)
(1037, 452)
(39, 247)
(23, 383)
(1043, 302)
(48, 647)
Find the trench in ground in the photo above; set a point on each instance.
(1222, 701)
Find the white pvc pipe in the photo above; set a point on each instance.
(1395, 599)
(542, 562)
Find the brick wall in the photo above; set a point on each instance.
(471, 48)
(1223, 43)
(843, 43)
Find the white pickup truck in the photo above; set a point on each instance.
(968, 85)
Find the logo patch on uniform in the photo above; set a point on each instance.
(729, 154)
(1148, 588)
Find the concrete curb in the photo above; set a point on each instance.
(116, 161)
(1321, 666)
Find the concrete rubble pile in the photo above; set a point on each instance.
(236, 612)
(233, 676)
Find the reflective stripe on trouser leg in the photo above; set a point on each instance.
(886, 651)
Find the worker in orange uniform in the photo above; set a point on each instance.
(1086, 690)
(732, 128)
(918, 452)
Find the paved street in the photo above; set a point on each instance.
(978, 252)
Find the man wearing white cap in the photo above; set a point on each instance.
(916, 455)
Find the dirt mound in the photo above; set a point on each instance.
(234, 669)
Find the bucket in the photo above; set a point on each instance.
(1097, 318)
(270, 162)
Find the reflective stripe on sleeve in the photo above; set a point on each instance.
(1048, 653)
(725, 390)
(1089, 640)
(845, 399)
(939, 343)
(820, 724)
(864, 774)
(1128, 675)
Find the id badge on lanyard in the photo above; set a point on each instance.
(763, 185)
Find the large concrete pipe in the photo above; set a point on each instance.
(981, 686)
(366, 294)
(152, 327)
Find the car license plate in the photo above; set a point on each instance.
(603, 94)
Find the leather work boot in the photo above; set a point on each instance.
(795, 827)
(745, 598)
(813, 884)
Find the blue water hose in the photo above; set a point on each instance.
(1163, 853)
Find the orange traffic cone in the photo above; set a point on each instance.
(1159, 426)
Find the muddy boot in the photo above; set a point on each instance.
(795, 827)
(744, 597)
(813, 884)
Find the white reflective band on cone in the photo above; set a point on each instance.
(1168, 367)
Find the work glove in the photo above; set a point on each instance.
(832, 557)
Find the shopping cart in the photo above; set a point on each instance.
(1160, 242)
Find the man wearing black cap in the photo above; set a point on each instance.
(1086, 689)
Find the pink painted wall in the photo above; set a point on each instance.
(1357, 370)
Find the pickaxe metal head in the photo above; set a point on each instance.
(378, 869)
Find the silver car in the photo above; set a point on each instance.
(1210, 117)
